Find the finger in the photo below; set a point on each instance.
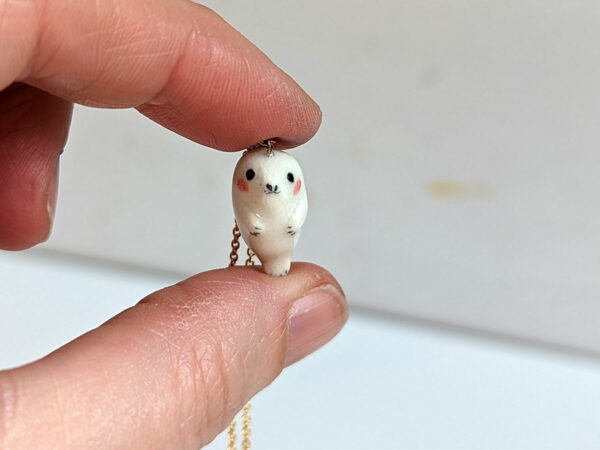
(177, 62)
(33, 130)
(172, 371)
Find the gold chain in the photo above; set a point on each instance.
(231, 436)
(246, 420)
(235, 245)
(246, 427)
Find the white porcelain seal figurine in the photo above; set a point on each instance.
(270, 205)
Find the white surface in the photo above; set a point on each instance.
(454, 178)
(378, 385)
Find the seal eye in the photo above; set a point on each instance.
(250, 174)
(290, 177)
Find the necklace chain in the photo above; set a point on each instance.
(245, 419)
(233, 258)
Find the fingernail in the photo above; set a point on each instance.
(52, 194)
(313, 320)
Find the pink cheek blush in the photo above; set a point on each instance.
(297, 187)
(242, 185)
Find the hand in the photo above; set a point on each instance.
(171, 371)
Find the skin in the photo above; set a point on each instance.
(172, 371)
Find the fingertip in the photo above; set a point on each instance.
(302, 277)
(33, 130)
(311, 120)
(28, 202)
(227, 94)
(315, 302)
(313, 276)
(22, 228)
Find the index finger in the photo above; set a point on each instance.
(175, 61)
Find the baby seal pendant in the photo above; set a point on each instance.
(270, 205)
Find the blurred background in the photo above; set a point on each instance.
(453, 191)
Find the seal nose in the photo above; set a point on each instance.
(271, 188)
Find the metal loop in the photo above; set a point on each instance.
(269, 144)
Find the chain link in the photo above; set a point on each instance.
(269, 144)
(231, 436)
(246, 419)
(246, 427)
(250, 259)
(235, 245)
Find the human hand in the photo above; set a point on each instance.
(171, 371)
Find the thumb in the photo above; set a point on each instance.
(172, 371)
